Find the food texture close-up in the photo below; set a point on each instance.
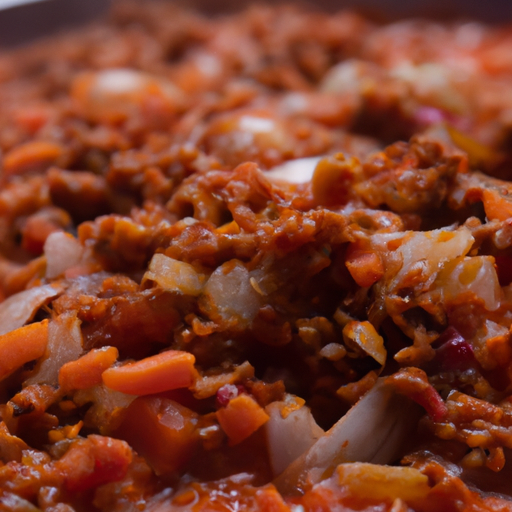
(256, 261)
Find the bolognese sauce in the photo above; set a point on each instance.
(260, 261)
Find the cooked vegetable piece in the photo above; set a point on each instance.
(21, 346)
(228, 295)
(363, 336)
(174, 275)
(33, 156)
(168, 370)
(86, 371)
(62, 251)
(162, 431)
(384, 483)
(64, 344)
(365, 267)
(289, 433)
(21, 307)
(299, 170)
(453, 352)
(241, 417)
(372, 431)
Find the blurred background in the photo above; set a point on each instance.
(24, 20)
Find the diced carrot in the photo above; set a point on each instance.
(496, 206)
(241, 418)
(173, 369)
(365, 267)
(161, 430)
(21, 346)
(32, 156)
(86, 371)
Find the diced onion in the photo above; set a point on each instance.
(424, 253)
(299, 170)
(62, 251)
(255, 124)
(20, 308)
(64, 345)
(289, 436)
(477, 275)
(372, 431)
(348, 77)
(229, 295)
(174, 275)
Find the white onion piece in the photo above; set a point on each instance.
(229, 296)
(64, 345)
(348, 77)
(208, 64)
(299, 170)
(433, 248)
(373, 430)
(13, 502)
(437, 84)
(424, 253)
(120, 81)
(256, 124)
(62, 251)
(174, 275)
(20, 308)
(493, 329)
(477, 275)
(289, 435)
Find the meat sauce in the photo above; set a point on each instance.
(256, 262)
